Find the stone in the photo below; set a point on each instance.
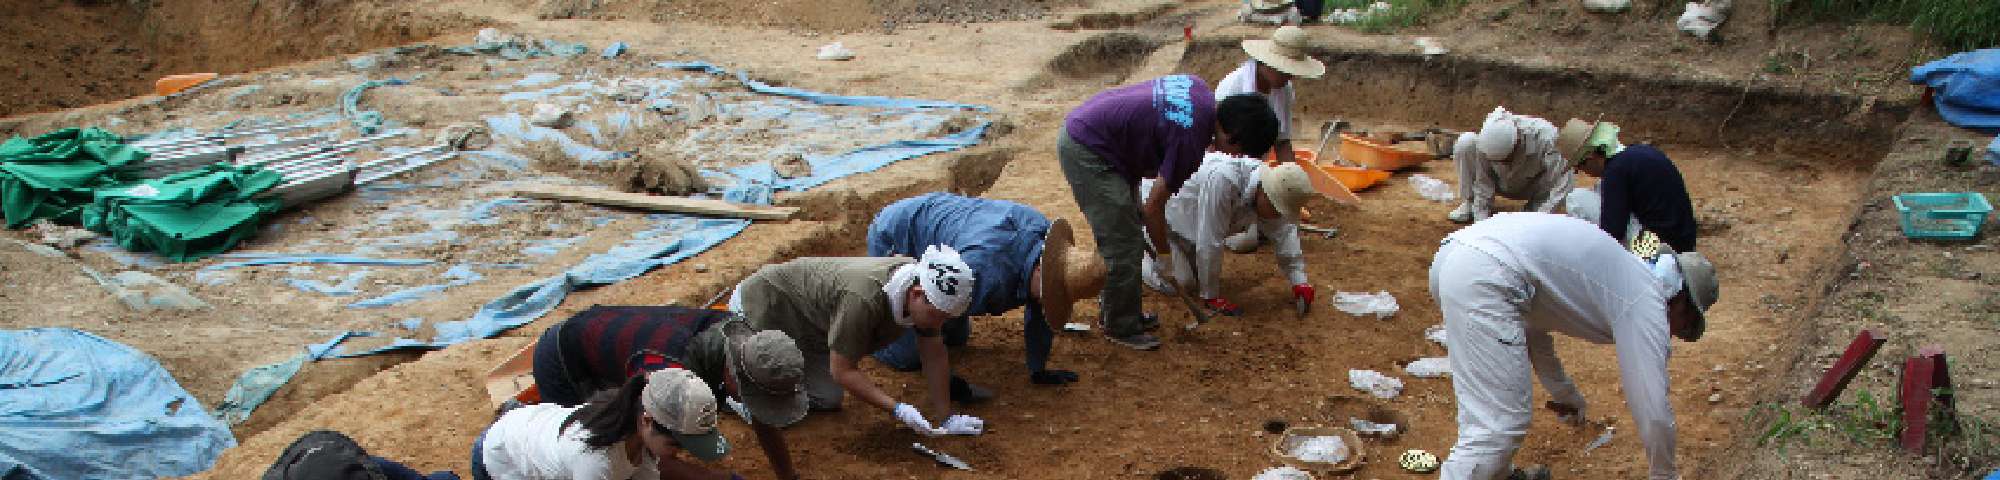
(550, 115)
(1715, 398)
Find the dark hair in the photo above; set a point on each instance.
(610, 415)
(1248, 120)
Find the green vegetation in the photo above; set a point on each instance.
(1963, 443)
(1401, 14)
(1955, 24)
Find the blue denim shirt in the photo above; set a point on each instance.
(1000, 240)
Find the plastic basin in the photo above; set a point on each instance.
(1355, 178)
(1378, 156)
(1942, 216)
(172, 84)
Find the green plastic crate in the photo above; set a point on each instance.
(1943, 216)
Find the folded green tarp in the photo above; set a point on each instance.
(52, 176)
(185, 216)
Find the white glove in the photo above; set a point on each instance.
(915, 419)
(964, 425)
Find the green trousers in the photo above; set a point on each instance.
(1111, 206)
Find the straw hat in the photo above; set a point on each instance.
(1286, 51)
(1577, 136)
(1068, 273)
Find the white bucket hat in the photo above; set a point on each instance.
(1497, 137)
(1286, 51)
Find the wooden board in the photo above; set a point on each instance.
(642, 201)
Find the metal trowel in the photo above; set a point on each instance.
(941, 458)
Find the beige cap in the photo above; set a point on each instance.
(1288, 186)
(770, 372)
(1577, 136)
(1286, 51)
(682, 403)
(1698, 280)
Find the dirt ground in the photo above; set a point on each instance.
(1773, 219)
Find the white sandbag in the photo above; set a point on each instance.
(1375, 383)
(1380, 304)
(1432, 367)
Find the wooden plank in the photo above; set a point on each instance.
(642, 201)
(1926, 393)
(1830, 385)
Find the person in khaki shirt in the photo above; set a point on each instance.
(841, 309)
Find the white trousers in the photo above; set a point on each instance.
(1483, 301)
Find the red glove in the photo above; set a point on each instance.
(1222, 306)
(1303, 291)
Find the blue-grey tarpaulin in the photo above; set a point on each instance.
(653, 248)
(77, 406)
(1966, 88)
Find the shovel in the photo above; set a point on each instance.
(1194, 307)
(941, 458)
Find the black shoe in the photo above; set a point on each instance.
(1052, 377)
(966, 393)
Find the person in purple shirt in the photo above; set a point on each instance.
(1156, 129)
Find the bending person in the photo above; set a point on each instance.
(1513, 156)
(1229, 195)
(1023, 260)
(635, 432)
(758, 373)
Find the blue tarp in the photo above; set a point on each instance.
(675, 238)
(1966, 88)
(77, 406)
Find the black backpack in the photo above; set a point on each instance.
(324, 455)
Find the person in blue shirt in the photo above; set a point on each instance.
(1023, 260)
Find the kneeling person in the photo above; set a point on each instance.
(603, 347)
(1023, 260)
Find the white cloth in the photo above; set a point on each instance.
(524, 445)
(1503, 285)
(1244, 80)
(898, 290)
(1218, 201)
(1535, 172)
(1702, 17)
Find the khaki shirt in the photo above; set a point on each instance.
(832, 304)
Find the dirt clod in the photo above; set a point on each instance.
(654, 171)
(1191, 473)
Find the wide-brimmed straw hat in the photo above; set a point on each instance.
(1068, 273)
(1286, 51)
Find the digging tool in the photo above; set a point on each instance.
(1602, 438)
(1327, 131)
(940, 457)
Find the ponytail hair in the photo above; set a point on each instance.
(610, 415)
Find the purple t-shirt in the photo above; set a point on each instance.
(1158, 128)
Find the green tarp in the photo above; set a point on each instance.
(53, 176)
(185, 216)
(72, 176)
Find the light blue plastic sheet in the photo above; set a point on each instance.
(78, 406)
(818, 97)
(672, 239)
(514, 126)
(367, 121)
(458, 275)
(1966, 88)
(347, 286)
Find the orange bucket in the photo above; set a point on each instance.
(172, 84)
(1375, 155)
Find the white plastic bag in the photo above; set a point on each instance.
(1320, 449)
(1432, 367)
(1283, 473)
(834, 52)
(1365, 427)
(1433, 189)
(1607, 6)
(1435, 333)
(1380, 304)
(1702, 17)
(1993, 152)
(1375, 383)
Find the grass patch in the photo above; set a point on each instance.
(1400, 15)
(1955, 24)
(1965, 444)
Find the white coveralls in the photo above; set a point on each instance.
(1534, 172)
(1503, 285)
(1219, 200)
